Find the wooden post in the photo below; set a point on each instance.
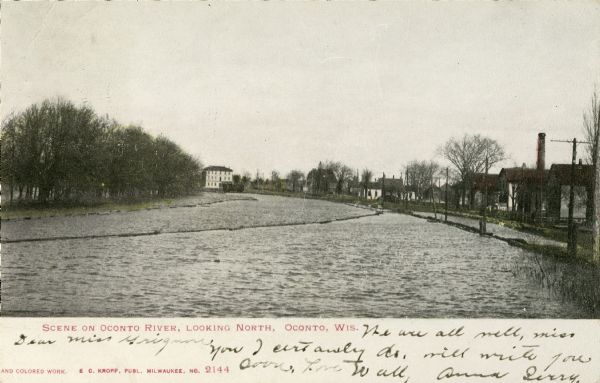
(482, 225)
(571, 241)
(433, 199)
(439, 191)
(383, 191)
(406, 189)
(446, 198)
(523, 193)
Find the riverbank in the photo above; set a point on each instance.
(55, 210)
(585, 241)
(20, 212)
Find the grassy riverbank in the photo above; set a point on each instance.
(65, 209)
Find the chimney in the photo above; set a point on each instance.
(541, 151)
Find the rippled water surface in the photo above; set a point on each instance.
(387, 265)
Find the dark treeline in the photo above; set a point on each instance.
(330, 177)
(56, 151)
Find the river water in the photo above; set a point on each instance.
(286, 257)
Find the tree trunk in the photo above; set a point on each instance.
(595, 202)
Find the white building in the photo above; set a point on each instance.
(373, 191)
(215, 176)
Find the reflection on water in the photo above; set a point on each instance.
(379, 266)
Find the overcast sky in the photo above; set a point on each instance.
(271, 85)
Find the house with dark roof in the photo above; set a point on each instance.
(392, 188)
(559, 184)
(213, 177)
(522, 190)
(481, 184)
(373, 190)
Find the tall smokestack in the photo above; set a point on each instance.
(541, 152)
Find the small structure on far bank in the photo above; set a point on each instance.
(522, 190)
(215, 177)
(482, 185)
(373, 190)
(559, 181)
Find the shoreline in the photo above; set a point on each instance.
(557, 252)
(107, 207)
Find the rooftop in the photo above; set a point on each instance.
(218, 169)
(519, 174)
(584, 174)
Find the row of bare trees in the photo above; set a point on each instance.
(330, 177)
(469, 155)
(56, 151)
(420, 176)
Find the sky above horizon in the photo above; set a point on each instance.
(265, 85)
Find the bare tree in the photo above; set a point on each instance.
(420, 175)
(246, 178)
(343, 175)
(275, 180)
(367, 176)
(62, 152)
(591, 128)
(294, 177)
(468, 155)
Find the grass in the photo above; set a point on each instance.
(63, 209)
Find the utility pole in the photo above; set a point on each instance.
(358, 184)
(406, 190)
(433, 198)
(596, 215)
(439, 192)
(571, 226)
(482, 224)
(523, 193)
(383, 190)
(446, 198)
(571, 229)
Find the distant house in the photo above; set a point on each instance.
(482, 183)
(392, 188)
(411, 192)
(559, 181)
(373, 190)
(522, 189)
(213, 177)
